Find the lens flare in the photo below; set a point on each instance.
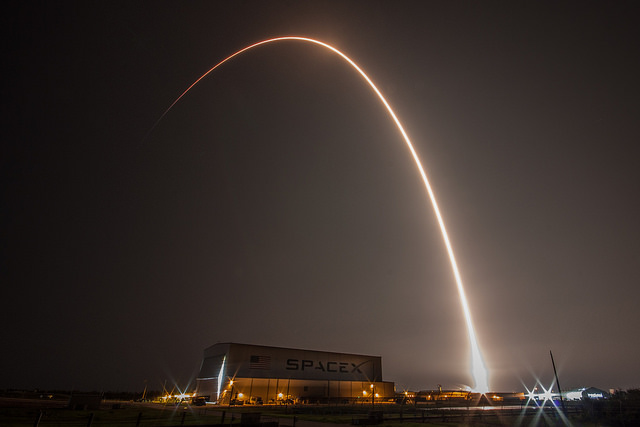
(220, 377)
(478, 368)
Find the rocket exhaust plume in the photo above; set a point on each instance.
(478, 369)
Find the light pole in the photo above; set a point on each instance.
(373, 396)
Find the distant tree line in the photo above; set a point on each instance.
(65, 394)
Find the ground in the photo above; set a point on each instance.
(50, 411)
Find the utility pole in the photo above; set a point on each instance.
(557, 382)
(144, 393)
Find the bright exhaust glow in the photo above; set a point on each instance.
(478, 368)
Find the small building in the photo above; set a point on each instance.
(469, 398)
(586, 393)
(240, 374)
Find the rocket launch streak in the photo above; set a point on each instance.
(478, 369)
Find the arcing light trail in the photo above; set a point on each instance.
(478, 369)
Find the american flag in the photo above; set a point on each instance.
(260, 362)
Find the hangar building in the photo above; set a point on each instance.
(250, 374)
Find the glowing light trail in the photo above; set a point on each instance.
(478, 369)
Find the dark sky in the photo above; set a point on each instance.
(277, 204)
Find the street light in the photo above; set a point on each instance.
(373, 396)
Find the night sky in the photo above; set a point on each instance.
(277, 203)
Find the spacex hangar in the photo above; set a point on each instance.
(234, 373)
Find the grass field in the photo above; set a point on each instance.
(44, 413)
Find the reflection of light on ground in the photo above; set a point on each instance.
(475, 408)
